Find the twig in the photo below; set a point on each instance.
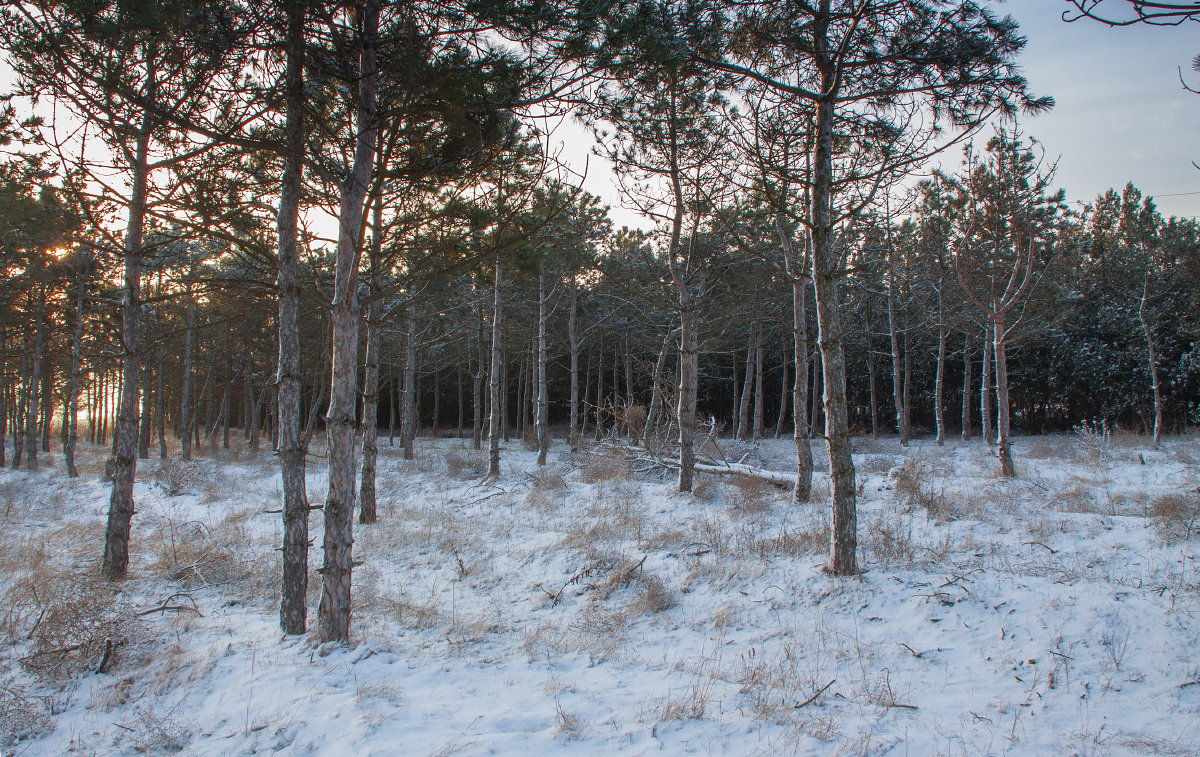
(1038, 543)
(813, 698)
(914, 652)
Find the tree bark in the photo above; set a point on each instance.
(408, 425)
(939, 409)
(897, 361)
(370, 419)
(185, 388)
(985, 389)
(573, 432)
(494, 420)
(293, 604)
(333, 613)
(966, 392)
(541, 406)
(830, 333)
(33, 395)
(1002, 413)
(1151, 362)
(120, 508)
(144, 421)
(72, 403)
(801, 429)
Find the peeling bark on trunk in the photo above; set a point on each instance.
(333, 613)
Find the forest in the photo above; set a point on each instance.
(308, 319)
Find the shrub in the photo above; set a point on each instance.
(1176, 515)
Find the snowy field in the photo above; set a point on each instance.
(589, 609)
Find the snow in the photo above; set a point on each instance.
(589, 609)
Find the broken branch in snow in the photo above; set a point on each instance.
(813, 698)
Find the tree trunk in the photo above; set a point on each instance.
(966, 392)
(72, 403)
(144, 422)
(408, 425)
(120, 508)
(573, 346)
(185, 389)
(293, 610)
(758, 381)
(1002, 415)
(653, 412)
(897, 364)
(159, 415)
(477, 399)
(783, 395)
(542, 404)
(743, 419)
(985, 389)
(1151, 363)
(33, 407)
(4, 393)
(801, 430)
(334, 611)
(830, 334)
(494, 420)
(370, 418)
(939, 409)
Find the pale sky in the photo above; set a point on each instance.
(1121, 114)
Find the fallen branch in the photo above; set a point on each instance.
(813, 698)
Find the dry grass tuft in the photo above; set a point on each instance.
(750, 495)
(1176, 515)
(175, 477)
(915, 487)
(466, 464)
(549, 483)
(606, 467)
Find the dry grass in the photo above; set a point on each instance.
(1176, 515)
(916, 486)
(607, 466)
(24, 715)
(466, 464)
(75, 623)
(175, 477)
(750, 496)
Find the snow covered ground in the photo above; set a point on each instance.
(589, 609)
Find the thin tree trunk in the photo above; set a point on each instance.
(966, 392)
(370, 419)
(458, 378)
(573, 347)
(897, 360)
(408, 426)
(871, 377)
(185, 389)
(743, 421)
(1151, 363)
(72, 403)
(477, 398)
(654, 411)
(985, 389)
(759, 406)
(120, 508)
(939, 409)
(1002, 417)
(494, 420)
(333, 613)
(158, 412)
(33, 407)
(144, 422)
(801, 429)
(543, 399)
(4, 393)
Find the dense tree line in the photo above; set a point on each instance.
(343, 218)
